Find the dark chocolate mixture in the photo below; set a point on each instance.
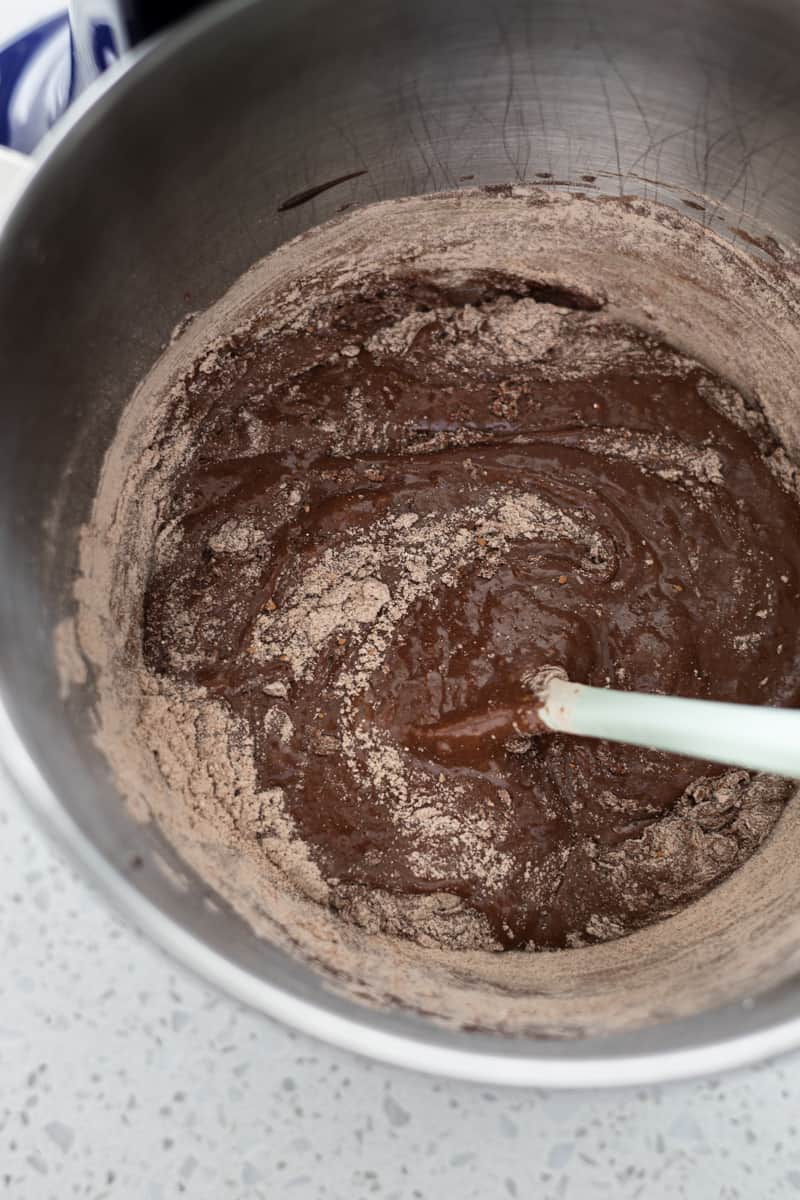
(398, 507)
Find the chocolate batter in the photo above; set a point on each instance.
(395, 509)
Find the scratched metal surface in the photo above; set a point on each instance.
(647, 98)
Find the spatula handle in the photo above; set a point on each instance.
(744, 735)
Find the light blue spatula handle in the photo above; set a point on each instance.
(743, 735)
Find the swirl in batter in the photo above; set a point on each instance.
(402, 502)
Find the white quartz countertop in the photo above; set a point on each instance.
(123, 1077)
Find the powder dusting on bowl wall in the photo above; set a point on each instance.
(406, 462)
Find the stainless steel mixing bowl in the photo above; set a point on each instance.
(166, 183)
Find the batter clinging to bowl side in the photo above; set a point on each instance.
(405, 491)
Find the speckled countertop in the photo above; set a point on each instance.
(123, 1077)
